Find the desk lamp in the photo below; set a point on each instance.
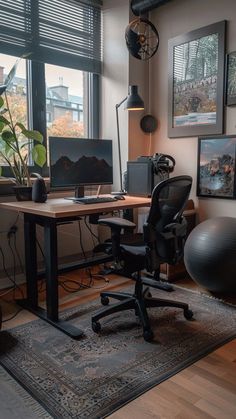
(133, 103)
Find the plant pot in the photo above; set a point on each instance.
(23, 193)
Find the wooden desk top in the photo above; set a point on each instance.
(59, 208)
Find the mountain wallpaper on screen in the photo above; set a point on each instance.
(86, 170)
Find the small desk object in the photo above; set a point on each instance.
(48, 215)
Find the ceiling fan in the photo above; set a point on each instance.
(142, 38)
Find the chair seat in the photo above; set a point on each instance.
(134, 250)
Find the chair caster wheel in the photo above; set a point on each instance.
(104, 301)
(96, 326)
(188, 314)
(148, 335)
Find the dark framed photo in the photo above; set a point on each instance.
(231, 79)
(216, 166)
(196, 82)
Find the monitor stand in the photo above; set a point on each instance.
(79, 193)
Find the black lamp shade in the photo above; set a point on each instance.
(134, 101)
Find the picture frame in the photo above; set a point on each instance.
(231, 79)
(196, 82)
(216, 166)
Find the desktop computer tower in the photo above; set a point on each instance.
(143, 176)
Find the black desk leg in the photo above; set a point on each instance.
(50, 240)
(31, 301)
(31, 261)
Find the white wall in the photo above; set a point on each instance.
(175, 18)
(114, 83)
(121, 70)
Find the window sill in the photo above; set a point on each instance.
(6, 185)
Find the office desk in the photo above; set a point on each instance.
(48, 215)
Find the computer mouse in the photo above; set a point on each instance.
(121, 197)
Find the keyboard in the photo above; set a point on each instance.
(94, 199)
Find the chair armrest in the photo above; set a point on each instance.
(117, 222)
(175, 230)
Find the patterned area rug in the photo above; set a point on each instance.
(96, 375)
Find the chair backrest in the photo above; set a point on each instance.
(165, 229)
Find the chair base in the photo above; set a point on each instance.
(139, 302)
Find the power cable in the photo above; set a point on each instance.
(18, 255)
(13, 316)
(8, 275)
(14, 262)
(80, 239)
(90, 230)
(40, 248)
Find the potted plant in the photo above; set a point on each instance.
(18, 144)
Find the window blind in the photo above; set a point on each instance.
(60, 32)
(15, 26)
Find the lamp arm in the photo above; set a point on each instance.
(118, 139)
(119, 104)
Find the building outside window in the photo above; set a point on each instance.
(65, 90)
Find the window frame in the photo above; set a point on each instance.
(36, 108)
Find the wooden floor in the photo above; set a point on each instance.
(207, 389)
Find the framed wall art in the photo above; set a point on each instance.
(231, 79)
(216, 166)
(196, 82)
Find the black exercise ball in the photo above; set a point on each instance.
(210, 254)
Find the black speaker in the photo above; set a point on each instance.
(142, 177)
(39, 191)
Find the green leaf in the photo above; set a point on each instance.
(11, 74)
(21, 126)
(8, 150)
(39, 154)
(5, 120)
(22, 145)
(1, 102)
(2, 125)
(5, 148)
(8, 136)
(33, 135)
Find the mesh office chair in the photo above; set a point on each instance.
(164, 235)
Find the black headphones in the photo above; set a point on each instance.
(161, 162)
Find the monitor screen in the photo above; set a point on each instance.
(80, 161)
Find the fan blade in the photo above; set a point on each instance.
(133, 44)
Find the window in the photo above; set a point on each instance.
(61, 44)
(65, 88)
(17, 92)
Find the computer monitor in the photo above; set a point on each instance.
(79, 162)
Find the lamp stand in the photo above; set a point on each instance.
(133, 102)
(121, 192)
